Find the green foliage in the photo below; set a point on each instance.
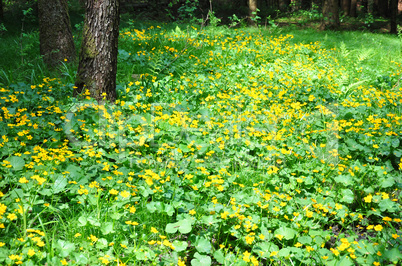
(225, 146)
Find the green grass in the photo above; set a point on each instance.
(232, 147)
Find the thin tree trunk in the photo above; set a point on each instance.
(382, 7)
(56, 39)
(98, 57)
(252, 6)
(353, 8)
(1, 11)
(330, 12)
(393, 6)
(345, 5)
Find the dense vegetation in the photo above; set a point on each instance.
(226, 146)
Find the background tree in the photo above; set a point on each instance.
(98, 56)
(353, 8)
(1, 11)
(393, 6)
(252, 5)
(56, 39)
(345, 6)
(330, 13)
(382, 7)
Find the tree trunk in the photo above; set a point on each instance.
(345, 5)
(1, 11)
(98, 56)
(284, 5)
(393, 6)
(252, 7)
(353, 8)
(56, 39)
(382, 7)
(330, 12)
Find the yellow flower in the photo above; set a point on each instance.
(132, 209)
(273, 253)
(387, 219)
(279, 236)
(246, 256)
(378, 227)
(224, 215)
(64, 262)
(153, 230)
(336, 252)
(181, 263)
(77, 235)
(192, 212)
(308, 248)
(368, 198)
(298, 245)
(395, 236)
(376, 263)
(125, 194)
(113, 191)
(12, 216)
(93, 238)
(379, 253)
(31, 252)
(23, 180)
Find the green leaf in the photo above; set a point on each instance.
(347, 196)
(395, 143)
(344, 179)
(287, 233)
(184, 148)
(94, 221)
(64, 247)
(201, 260)
(203, 245)
(387, 204)
(284, 252)
(80, 259)
(180, 245)
(82, 221)
(266, 248)
(183, 226)
(219, 256)
(107, 228)
(101, 243)
(16, 162)
(116, 216)
(305, 240)
(387, 182)
(393, 255)
(59, 184)
(169, 209)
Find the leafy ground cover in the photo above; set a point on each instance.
(232, 147)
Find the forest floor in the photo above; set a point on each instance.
(246, 146)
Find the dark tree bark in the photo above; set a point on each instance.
(252, 7)
(393, 6)
(382, 7)
(284, 5)
(56, 39)
(353, 8)
(330, 12)
(1, 11)
(345, 5)
(98, 56)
